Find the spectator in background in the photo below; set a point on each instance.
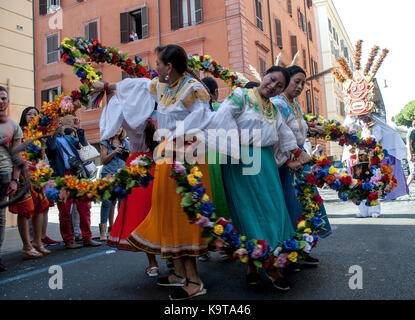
(10, 136)
(410, 142)
(308, 147)
(114, 152)
(133, 36)
(28, 115)
(318, 151)
(59, 148)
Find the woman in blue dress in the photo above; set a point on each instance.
(291, 112)
(252, 185)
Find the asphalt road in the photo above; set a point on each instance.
(382, 248)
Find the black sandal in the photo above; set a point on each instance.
(164, 281)
(181, 294)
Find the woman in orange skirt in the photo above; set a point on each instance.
(32, 206)
(181, 101)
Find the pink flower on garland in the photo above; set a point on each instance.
(66, 104)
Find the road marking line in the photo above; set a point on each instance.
(32, 273)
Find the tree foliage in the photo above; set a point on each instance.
(406, 115)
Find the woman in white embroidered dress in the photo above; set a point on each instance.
(166, 230)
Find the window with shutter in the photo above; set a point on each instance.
(262, 66)
(49, 95)
(125, 26)
(43, 7)
(258, 14)
(91, 30)
(278, 33)
(317, 106)
(44, 96)
(198, 11)
(330, 27)
(308, 101)
(310, 33)
(304, 60)
(289, 8)
(144, 22)
(293, 45)
(175, 14)
(52, 48)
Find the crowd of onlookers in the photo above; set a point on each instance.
(67, 153)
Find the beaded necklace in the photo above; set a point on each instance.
(297, 112)
(267, 108)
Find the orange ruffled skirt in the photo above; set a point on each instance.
(33, 203)
(166, 230)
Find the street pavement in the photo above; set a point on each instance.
(381, 248)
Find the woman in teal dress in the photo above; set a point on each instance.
(252, 186)
(291, 112)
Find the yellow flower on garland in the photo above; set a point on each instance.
(381, 156)
(218, 229)
(301, 225)
(308, 230)
(293, 256)
(332, 170)
(207, 57)
(196, 172)
(205, 198)
(191, 180)
(244, 258)
(92, 76)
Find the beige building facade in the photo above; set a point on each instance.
(16, 59)
(334, 43)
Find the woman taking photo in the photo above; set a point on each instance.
(114, 152)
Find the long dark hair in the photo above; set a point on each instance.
(284, 72)
(149, 131)
(174, 54)
(23, 123)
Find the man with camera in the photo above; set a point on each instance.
(62, 152)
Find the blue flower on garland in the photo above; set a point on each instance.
(354, 138)
(343, 196)
(146, 180)
(70, 61)
(206, 208)
(227, 228)
(299, 182)
(44, 121)
(291, 244)
(317, 222)
(336, 185)
(386, 153)
(52, 193)
(322, 173)
(249, 246)
(101, 50)
(367, 185)
(200, 191)
(81, 74)
(120, 193)
(34, 148)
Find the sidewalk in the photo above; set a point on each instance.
(13, 243)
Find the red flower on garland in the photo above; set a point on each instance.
(385, 179)
(76, 94)
(347, 180)
(372, 196)
(374, 161)
(318, 199)
(311, 179)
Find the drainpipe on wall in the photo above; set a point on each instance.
(158, 17)
(309, 58)
(270, 33)
(33, 48)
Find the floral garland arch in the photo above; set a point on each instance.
(81, 53)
